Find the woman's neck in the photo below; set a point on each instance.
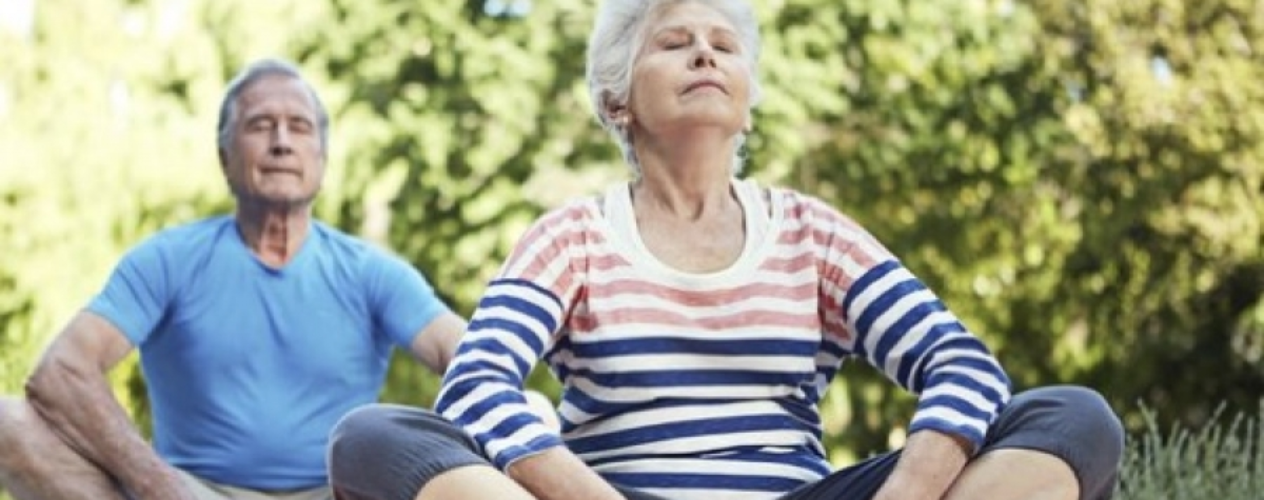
(684, 180)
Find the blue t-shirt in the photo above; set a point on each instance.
(249, 367)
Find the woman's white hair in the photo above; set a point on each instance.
(616, 41)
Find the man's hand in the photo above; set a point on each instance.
(165, 485)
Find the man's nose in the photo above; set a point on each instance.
(281, 141)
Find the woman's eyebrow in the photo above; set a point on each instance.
(682, 28)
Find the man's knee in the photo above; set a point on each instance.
(17, 424)
(30, 449)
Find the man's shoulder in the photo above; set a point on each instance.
(343, 243)
(353, 252)
(189, 236)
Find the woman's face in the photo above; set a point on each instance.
(690, 73)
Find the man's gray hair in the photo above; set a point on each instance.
(253, 73)
(616, 40)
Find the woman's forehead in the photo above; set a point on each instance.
(688, 16)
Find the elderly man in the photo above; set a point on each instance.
(257, 331)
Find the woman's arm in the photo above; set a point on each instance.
(902, 328)
(513, 326)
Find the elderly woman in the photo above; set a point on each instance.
(695, 320)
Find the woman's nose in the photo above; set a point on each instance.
(704, 56)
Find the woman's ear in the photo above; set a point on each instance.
(615, 112)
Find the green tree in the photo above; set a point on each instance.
(466, 126)
(1166, 282)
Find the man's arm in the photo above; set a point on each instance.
(70, 391)
(436, 343)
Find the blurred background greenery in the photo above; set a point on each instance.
(1082, 181)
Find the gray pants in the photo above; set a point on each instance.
(207, 490)
(384, 452)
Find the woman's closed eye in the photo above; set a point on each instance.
(674, 43)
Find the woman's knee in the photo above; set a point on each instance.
(1086, 418)
(389, 452)
(1074, 423)
(364, 426)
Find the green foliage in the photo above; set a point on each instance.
(1166, 196)
(460, 111)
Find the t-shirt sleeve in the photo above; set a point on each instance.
(402, 300)
(520, 312)
(901, 327)
(136, 297)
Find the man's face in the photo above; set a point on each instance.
(275, 156)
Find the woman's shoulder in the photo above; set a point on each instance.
(567, 220)
(799, 204)
(810, 211)
(578, 209)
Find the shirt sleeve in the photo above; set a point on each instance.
(136, 296)
(902, 328)
(402, 300)
(513, 325)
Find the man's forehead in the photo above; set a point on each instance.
(277, 92)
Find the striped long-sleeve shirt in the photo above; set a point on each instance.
(703, 386)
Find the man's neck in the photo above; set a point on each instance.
(275, 236)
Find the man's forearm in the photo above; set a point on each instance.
(80, 408)
(557, 474)
(929, 464)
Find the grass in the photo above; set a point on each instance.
(1220, 461)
